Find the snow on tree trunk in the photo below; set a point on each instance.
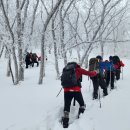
(15, 66)
(50, 15)
(8, 68)
(12, 43)
(1, 52)
(62, 36)
(86, 61)
(19, 41)
(55, 48)
(96, 31)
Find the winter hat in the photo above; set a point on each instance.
(99, 57)
(110, 57)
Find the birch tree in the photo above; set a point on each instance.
(105, 11)
(55, 43)
(42, 67)
(12, 42)
(62, 15)
(32, 24)
(110, 28)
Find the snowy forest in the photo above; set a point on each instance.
(59, 31)
(59, 27)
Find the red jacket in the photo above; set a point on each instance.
(79, 73)
(119, 65)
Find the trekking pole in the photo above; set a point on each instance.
(122, 73)
(115, 81)
(59, 93)
(89, 85)
(110, 78)
(99, 97)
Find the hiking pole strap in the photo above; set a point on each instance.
(74, 102)
(110, 79)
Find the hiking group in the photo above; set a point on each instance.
(31, 58)
(102, 73)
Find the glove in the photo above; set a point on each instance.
(93, 73)
(116, 66)
(122, 64)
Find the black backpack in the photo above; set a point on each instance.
(94, 64)
(34, 56)
(68, 77)
(115, 60)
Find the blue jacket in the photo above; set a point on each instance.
(102, 67)
(109, 66)
(106, 66)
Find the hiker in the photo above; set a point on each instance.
(118, 64)
(98, 80)
(71, 81)
(28, 60)
(34, 59)
(110, 72)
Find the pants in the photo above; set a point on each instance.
(98, 81)
(35, 62)
(110, 79)
(28, 63)
(118, 71)
(68, 96)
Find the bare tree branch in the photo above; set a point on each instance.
(43, 40)
(45, 7)
(22, 5)
(33, 17)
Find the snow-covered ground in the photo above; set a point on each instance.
(29, 106)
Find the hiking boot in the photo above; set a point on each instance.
(81, 110)
(65, 119)
(65, 122)
(112, 87)
(95, 96)
(105, 93)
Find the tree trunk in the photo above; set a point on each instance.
(16, 66)
(12, 43)
(55, 49)
(86, 61)
(1, 52)
(42, 68)
(62, 36)
(95, 34)
(19, 35)
(8, 68)
(50, 15)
